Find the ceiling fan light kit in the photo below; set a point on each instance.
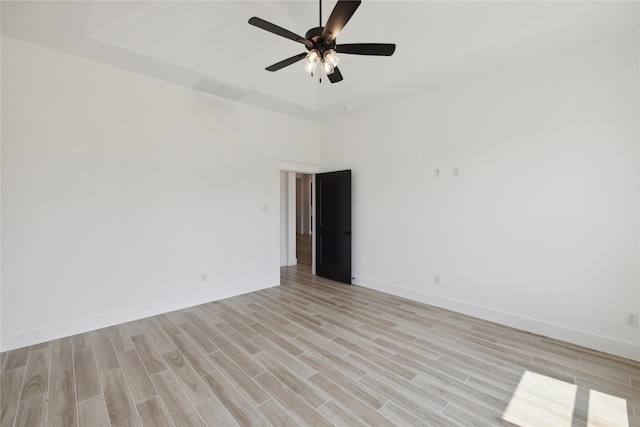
(327, 68)
(311, 61)
(321, 42)
(330, 61)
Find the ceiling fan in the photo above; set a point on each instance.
(321, 42)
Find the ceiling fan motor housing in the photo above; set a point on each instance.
(315, 36)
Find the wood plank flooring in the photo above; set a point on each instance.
(309, 352)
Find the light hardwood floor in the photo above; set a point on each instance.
(309, 352)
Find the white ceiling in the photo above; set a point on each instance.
(208, 45)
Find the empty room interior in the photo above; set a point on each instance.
(169, 240)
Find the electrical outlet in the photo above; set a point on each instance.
(456, 171)
(204, 277)
(631, 319)
(436, 172)
(436, 280)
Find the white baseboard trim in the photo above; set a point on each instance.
(60, 330)
(292, 261)
(626, 349)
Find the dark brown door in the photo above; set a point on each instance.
(333, 225)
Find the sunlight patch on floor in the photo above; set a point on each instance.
(606, 410)
(543, 401)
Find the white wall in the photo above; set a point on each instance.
(119, 191)
(306, 204)
(303, 204)
(541, 229)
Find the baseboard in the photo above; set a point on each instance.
(292, 261)
(605, 344)
(35, 336)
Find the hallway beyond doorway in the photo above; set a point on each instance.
(303, 250)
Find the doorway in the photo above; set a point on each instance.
(286, 225)
(292, 219)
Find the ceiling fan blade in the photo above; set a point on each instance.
(377, 49)
(336, 76)
(272, 28)
(284, 63)
(338, 19)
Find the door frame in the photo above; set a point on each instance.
(282, 165)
